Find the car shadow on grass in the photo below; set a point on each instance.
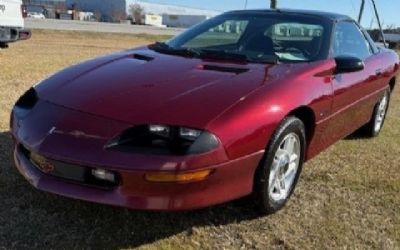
(35, 220)
(359, 134)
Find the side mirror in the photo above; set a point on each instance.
(348, 64)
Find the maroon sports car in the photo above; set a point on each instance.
(233, 106)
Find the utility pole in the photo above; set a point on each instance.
(361, 11)
(245, 4)
(379, 22)
(274, 4)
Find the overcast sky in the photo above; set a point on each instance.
(389, 9)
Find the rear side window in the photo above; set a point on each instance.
(372, 45)
(350, 41)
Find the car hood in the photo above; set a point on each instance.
(142, 86)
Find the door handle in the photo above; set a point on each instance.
(378, 72)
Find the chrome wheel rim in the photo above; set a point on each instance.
(380, 115)
(284, 167)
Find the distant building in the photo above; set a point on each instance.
(47, 7)
(44, 2)
(392, 37)
(393, 40)
(173, 16)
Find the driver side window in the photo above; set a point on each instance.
(349, 41)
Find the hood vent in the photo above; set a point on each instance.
(142, 57)
(233, 70)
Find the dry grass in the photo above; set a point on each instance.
(347, 198)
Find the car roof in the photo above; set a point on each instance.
(321, 14)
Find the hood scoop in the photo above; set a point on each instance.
(225, 69)
(142, 57)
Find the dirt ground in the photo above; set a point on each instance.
(347, 198)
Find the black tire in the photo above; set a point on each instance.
(370, 130)
(261, 193)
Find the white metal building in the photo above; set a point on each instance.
(161, 9)
(392, 37)
(173, 16)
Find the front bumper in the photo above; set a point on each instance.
(76, 138)
(12, 34)
(231, 180)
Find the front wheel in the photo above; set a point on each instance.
(280, 168)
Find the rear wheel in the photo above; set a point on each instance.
(281, 166)
(374, 127)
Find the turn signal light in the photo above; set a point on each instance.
(179, 177)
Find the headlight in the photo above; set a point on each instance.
(189, 134)
(160, 130)
(166, 131)
(162, 139)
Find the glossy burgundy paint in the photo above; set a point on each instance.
(84, 107)
(167, 90)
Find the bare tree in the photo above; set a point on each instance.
(390, 26)
(274, 4)
(137, 13)
(117, 15)
(97, 15)
(60, 7)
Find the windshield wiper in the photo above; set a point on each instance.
(272, 59)
(212, 54)
(166, 49)
(233, 56)
(220, 54)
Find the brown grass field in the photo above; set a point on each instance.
(347, 198)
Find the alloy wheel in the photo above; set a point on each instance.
(380, 115)
(284, 167)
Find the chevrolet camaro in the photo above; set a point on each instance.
(230, 108)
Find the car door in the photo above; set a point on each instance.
(354, 93)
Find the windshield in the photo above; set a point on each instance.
(264, 38)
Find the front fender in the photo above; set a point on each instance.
(248, 126)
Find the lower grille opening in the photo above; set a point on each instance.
(72, 172)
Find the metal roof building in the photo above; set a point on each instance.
(160, 9)
(44, 2)
(392, 37)
(108, 8)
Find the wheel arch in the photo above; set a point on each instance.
(307, 116)
(392, 83)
